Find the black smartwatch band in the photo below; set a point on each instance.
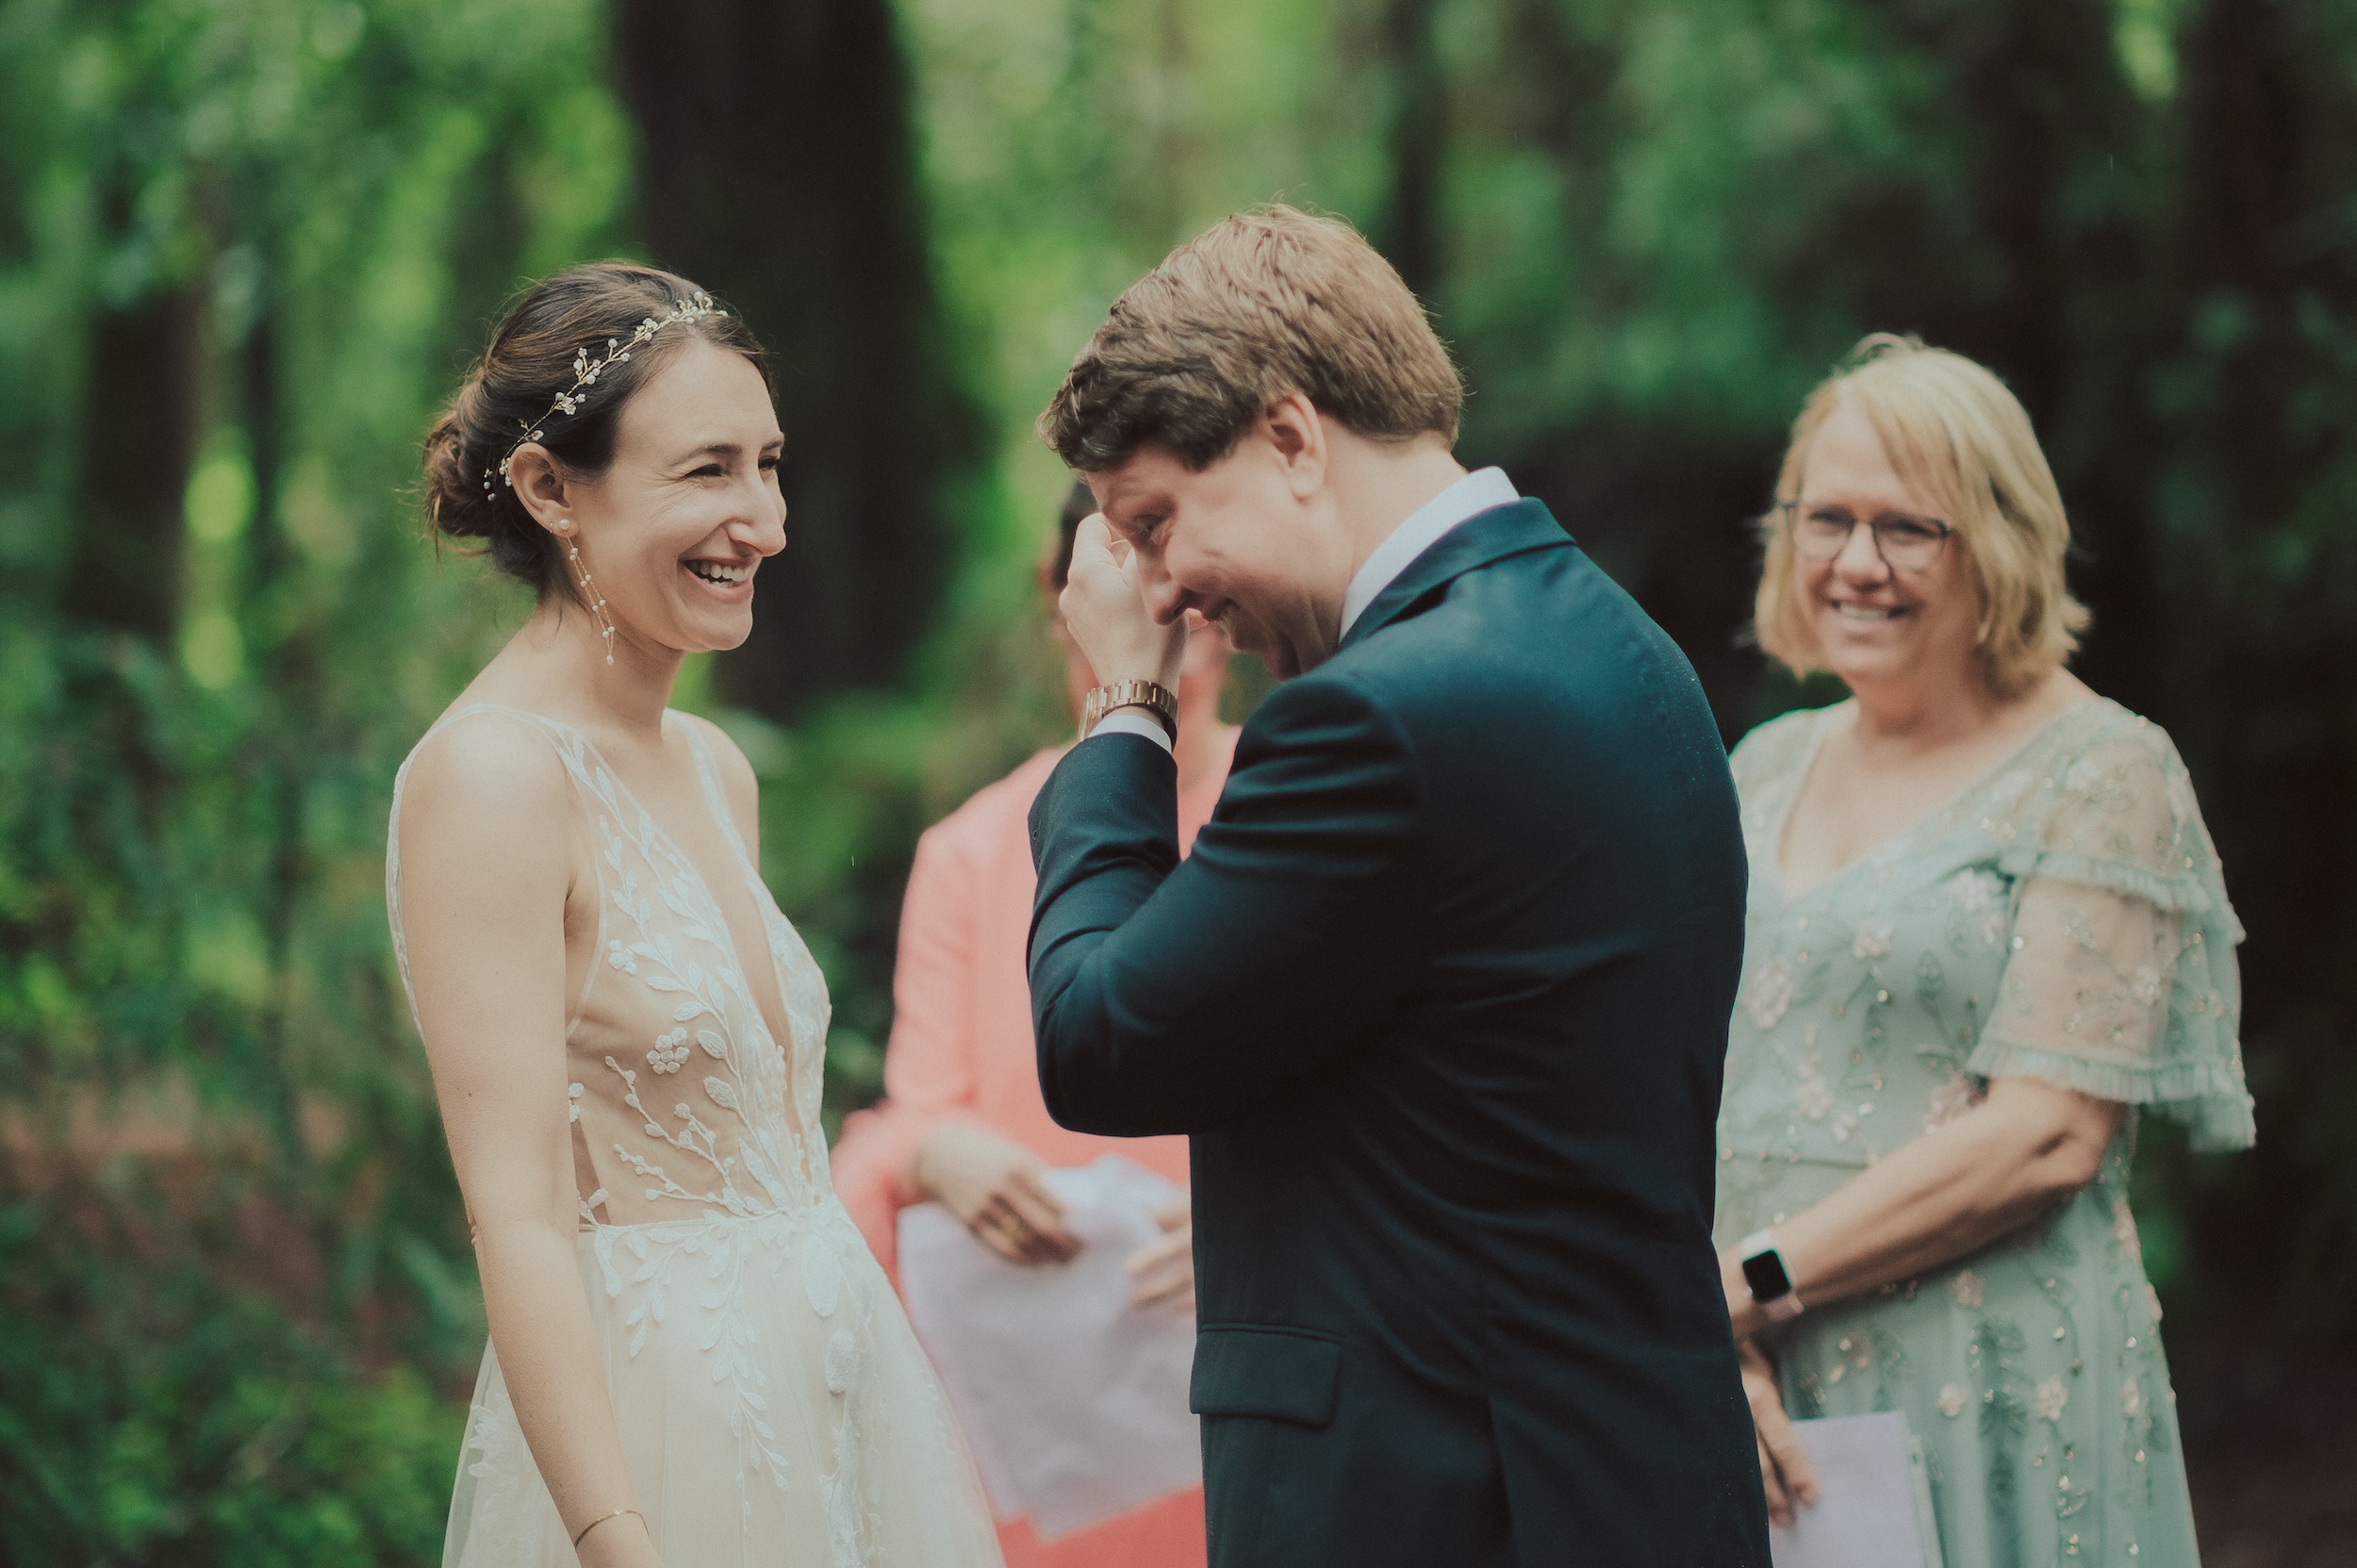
(1770, 1282)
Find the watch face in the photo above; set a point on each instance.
(1764, 1272)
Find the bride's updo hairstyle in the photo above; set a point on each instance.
(585, 321)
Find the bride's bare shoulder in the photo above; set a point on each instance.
(494, 767)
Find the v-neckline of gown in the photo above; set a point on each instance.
(1808, 765)
(782, 1043)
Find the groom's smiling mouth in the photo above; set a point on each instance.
(1222, 616)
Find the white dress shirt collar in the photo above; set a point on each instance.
(1478, 491)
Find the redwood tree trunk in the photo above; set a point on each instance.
(777, 171)
(138, 439)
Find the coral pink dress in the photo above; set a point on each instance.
(962, 1050)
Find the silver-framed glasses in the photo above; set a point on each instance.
(1904, 541)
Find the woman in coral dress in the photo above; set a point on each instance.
(963, 1122)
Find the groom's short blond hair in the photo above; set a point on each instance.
(1260, 305)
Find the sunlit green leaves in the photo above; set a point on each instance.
(191, 826)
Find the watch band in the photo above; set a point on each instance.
(1767, 1278)
(1154, 696)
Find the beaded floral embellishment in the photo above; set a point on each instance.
(585, 373)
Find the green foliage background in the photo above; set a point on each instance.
(247, 245)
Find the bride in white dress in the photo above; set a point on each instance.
(694, 1360)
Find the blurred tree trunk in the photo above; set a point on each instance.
(777, 171)
(139, 430)
(1415, 139)
(2061, 300)
(2245, 193)
(2254, 506)
(281, 764)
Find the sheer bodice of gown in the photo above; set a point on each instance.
(774, 1407)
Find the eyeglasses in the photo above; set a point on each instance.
(1904, 542)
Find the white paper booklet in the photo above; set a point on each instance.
(1873, 1505)
(1073, 1401)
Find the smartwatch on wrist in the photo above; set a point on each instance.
(1770, 1282)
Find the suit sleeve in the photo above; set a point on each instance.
(1170, 997)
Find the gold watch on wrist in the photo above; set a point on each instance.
(1154, 696)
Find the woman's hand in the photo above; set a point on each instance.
(1784, 1472)
(1164, 1270)
(993, 1184)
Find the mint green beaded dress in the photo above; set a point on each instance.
(2064, 919)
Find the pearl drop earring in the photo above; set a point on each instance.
(588, 589)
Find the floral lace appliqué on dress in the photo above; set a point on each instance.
(2064, 918)
(773, 1405)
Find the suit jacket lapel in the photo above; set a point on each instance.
(1480, 539)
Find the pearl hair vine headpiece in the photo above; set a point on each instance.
(585, 373)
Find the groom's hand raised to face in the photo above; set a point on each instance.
(1106, 608)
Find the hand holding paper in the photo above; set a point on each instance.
(997, 1188)
(1875, 1507)
(1073, 1398)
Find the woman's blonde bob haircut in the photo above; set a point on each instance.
(1962, 442)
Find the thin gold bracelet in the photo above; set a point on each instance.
(602, 1519)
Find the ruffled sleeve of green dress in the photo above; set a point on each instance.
(2121, 983)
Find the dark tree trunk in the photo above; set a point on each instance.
(2267, 683)
(140, 429)
(777, 171)
(1416, 140)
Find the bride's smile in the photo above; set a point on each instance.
(674, 530)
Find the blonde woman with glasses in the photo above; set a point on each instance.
(1986, 927)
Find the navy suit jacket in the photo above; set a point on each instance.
(1440, 998)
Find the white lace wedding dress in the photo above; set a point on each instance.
(774, 1407)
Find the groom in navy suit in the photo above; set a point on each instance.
(1441, 996)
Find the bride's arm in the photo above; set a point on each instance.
(484, 873)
